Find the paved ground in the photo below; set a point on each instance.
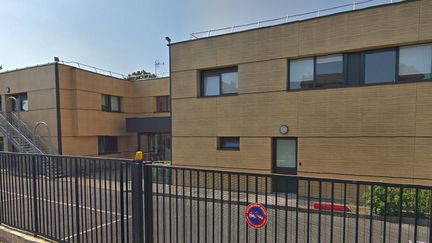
(189, 216)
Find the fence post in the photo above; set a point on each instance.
(137, 203)
(148, 203)
(34, 186)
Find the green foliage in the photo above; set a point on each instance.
(393, 201)
(140, 74)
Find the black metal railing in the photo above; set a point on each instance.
(112, 200)
(195, 205)
(90, 202)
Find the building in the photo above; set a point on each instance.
(86, 112)
(344, 96)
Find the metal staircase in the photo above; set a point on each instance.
(25, 140)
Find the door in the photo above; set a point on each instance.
(285, 162)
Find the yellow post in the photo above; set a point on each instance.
(139, 155)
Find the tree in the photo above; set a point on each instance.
(1, 67)
(140, 75)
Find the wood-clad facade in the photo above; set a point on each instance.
(377, 132)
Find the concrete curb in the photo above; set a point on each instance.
(8, 234)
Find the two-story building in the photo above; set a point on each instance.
(347, 95)
(87, 113)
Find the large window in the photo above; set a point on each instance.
(392, 65)
(229, 143)
(162, 104)
(111, 103)
(219, 82)
(107, 144)
(155, 146)
(380, 67)
(415, 63)
(319, 72)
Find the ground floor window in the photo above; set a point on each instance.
(155, 146)
(1, 144)
(107, 145)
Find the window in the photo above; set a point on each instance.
(329, 71)
(229, 143)
(415, 63)
(408, 63)
(155, 146)
(219, 82)
(301, 73)
(380, 67)
(326, 71)
(107, 144)
(22, 102)
(162, 104)
(111, 103)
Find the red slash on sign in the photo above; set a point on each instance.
(256, 215)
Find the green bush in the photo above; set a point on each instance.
(393, 201)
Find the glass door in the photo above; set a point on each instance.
(285, 162)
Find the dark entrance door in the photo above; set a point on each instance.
(285, 162)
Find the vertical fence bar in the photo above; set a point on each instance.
(416, 214)
(148, 202)
(357, 212)
(385, 214)
(371, 214)
(122, 206)
(77, 201)
(35, 207)
(400, 214)
(137, 203)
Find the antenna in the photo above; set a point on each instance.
(157, 64)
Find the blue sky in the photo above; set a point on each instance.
(122, 36)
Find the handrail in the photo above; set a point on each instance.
(10, 127)
(285, 19)
(34, 137)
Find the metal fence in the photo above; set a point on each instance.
(108, 200)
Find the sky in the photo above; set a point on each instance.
(122, 36)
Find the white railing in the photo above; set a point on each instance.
(291, 18)
(93, 69)
(111, 73)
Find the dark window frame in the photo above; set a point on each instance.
(362, 69)
(216, 72)
(314, 85)
(412, 80)
(166, 107)
(109, 103)
(219, 147)
(105, 150)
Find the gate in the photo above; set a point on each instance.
(112, 200)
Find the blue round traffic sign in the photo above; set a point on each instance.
(256, 215)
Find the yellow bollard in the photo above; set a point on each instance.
(139, 155)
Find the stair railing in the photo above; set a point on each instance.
(31, 134)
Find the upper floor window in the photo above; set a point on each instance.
(111, 103)
(219, 82)
(325, 71)
(22, 102)
(415, 63)
(380, 67)
(408, 63)
(162, 104)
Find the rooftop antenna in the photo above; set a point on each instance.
(157, 64)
